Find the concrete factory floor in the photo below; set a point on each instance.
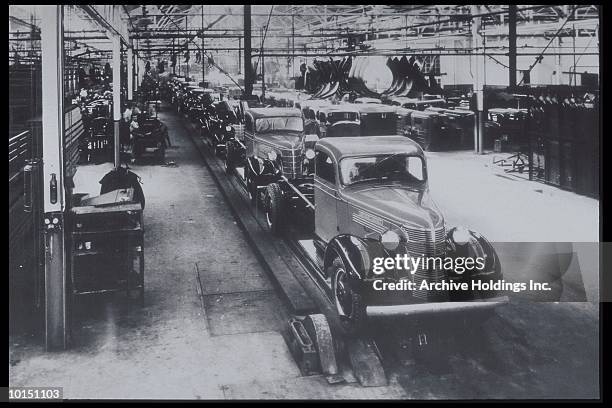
(217, 334)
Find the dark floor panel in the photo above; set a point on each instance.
(244, 312)
(235, 276)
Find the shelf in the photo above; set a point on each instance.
(136, 229)
(93, 252)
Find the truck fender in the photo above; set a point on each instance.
(255, 165)
(262, 167)
(272, 167)
(478, 246)
(356, 254)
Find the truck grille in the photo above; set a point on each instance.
(427, 243)
(292, 162)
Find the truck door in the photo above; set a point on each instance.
(326, 192)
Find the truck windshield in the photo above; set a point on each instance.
(391, 167)
(275, 124)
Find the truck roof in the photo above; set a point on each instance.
(257, 113)
(338, 108)
(371, 108)
(368, 100)
(342, 147)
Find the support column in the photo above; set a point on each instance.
(204, 58)
(263, 69)
(248, 72)
(130, 73)
(52, 41)
(512, 45)
(558, 66)
(116, 97)
(239, 54)
(478, 74)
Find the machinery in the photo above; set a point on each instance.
(150, 137)
(98, 139)
(223, 125)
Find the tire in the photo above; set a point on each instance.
(349, 304)
(275, 209)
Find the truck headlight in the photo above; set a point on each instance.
(390, 240)
(310, 154)
(228, 128)
(272, 156)
(461, 236)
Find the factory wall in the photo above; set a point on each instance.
(553, 70)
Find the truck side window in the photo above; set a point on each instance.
(324, 168)
(414, 165)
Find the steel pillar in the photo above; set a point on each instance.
(130, 73)
(248, 71)
(202, 51)
(136, 70)
(116, 97)
(512, 45)
(52, 48)
(263, 68)
(478, 75)
(558, 67)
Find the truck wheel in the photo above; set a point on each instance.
(275, 208)
(349, 304)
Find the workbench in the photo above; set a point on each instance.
(106, 243)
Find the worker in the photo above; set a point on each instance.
(135, 110)
(133, 126)
(127, 114)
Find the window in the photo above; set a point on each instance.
(324, 167)
(275, 124)
(394, 167)
(338, 116)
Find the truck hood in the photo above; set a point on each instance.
(283, 140)
(400, 205)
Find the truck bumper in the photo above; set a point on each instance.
(432, 308)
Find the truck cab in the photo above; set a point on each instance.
(376, 119)
(272, 147)
(372, 201)
(339, 121)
